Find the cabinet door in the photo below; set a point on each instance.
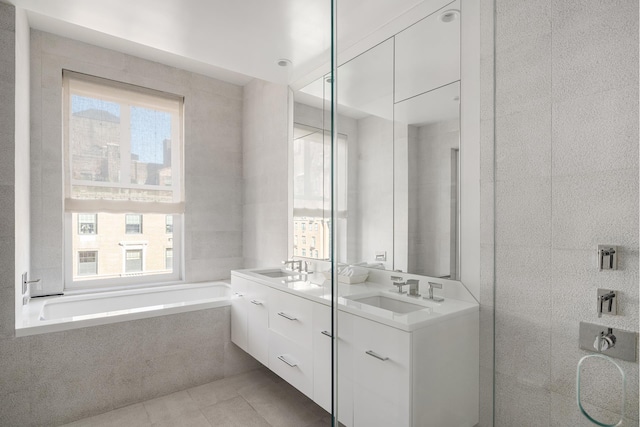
(239, 312)
(381, 375)
(256, 300)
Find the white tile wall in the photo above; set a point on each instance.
(567, 179)
(265, 153)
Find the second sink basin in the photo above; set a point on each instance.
(386, 303)
(278, 273)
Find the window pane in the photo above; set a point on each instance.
(169, 224)
(87, 263)
(87, 224)
(133, 224)
(168, 258)
(120, 251)
(94, 139)
(150, 147)
(133, 261)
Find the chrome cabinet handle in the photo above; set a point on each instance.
(286, 316)
(327, 333)
(376, 355)
(256, 302)
(238, 294)
(293, 365)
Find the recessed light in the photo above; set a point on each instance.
(284, 62)
(449, 15)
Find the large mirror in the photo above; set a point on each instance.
(398, 154)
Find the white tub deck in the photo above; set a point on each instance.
(52, 314)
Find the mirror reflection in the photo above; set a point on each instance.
(398, 159)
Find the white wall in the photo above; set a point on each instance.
(430, 219)
(375, 189)
(265, 154)
(213, 155)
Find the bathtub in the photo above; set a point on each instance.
(54, 314)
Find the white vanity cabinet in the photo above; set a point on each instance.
(387, 376)
(428, 377)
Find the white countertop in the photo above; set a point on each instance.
(316, 288)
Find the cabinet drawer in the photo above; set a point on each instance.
(292, 362)
(291, 317)
(382, 360)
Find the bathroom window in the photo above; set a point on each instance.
(87, 224)
(133, 224)
(87, 263)
(123, 162)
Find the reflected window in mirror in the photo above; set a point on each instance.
(312, 190)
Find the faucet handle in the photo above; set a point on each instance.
(435, 285)
(396, 279)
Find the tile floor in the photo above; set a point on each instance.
(254, 399)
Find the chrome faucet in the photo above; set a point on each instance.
(293, 263)
(431, 297)
(399, 282)
(413, 287)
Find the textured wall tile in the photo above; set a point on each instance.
(595, 46)
(7, 311)
(523, 281)
(16, 407)
(520, 404)
(565, 412)
(486, 398)
(602, 128)
(523, 75)
(521, 20)
(523, 144)
(14, 375)
(596, 208)
(523, 349)
(523, 213)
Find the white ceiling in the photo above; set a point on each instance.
(234, 40)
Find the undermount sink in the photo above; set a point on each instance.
(386, 303)
(277, 273)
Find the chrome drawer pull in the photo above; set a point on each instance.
(376, 355)
(256, 302)
(293, 365)
(286, 316)
(327, 333)
(238, 294)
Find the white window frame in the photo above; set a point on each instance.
(116, 89)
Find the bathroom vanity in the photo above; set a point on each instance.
(403, 361)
